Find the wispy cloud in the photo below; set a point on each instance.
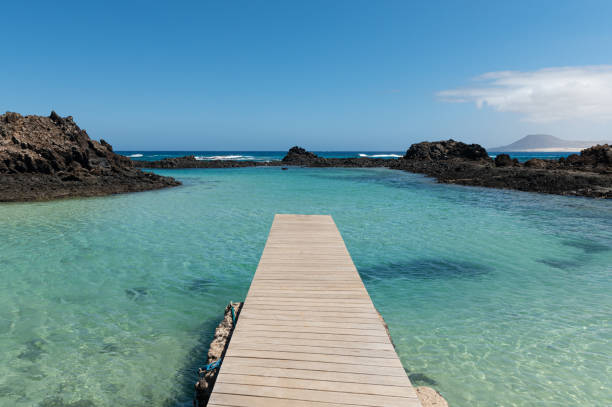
(546, 95)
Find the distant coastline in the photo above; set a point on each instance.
(542, 150)
(547, 143)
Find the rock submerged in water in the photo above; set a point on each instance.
(430, 398)
(50, 157)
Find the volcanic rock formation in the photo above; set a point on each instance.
(453, 162)
(444, 150)
(51, 157)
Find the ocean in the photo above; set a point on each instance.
(278, 155)
(492, 297)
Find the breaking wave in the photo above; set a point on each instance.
(381, 155)
(225, 157)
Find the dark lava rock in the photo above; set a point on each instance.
(458, 163)
(598, 155)
(597, 159)
(504, 160)
(535, 163)
(588, 174)
(445, 150)
(51, 157)
(189, 161)
(299, 156)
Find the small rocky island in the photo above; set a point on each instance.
(44, 158)
(453, 162)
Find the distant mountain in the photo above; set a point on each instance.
(545, 142)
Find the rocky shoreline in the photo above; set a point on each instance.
(588, 174)
(189, 161)
(43, 158)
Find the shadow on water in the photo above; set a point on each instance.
(393, 179)
(111, 349)
(420, 379)
(196, 358)
(425, 269)
(59, 402)
(202, 284)
(34, 350)
(137, 293)
(587, 245)
(562, 264)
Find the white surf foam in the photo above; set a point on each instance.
(225, 157)
(381, 155)
(135, 155)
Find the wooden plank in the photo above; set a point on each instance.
(314, 395)
(311, 333)
(365, 378)
(330, 320)
(336, 350)
(365, 344)
(307, 307)
(314, 357)
(308, 334)
(317, 366)
(312, 384)
(311, 326)
(236, 400)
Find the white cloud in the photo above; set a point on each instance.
(546, 95)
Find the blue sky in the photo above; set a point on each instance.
(327, 75)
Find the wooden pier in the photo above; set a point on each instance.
(308, 333)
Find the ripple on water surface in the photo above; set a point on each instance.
(492, 297)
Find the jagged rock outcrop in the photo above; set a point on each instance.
(504, 160)
(51, 157)
(452, 162)
(597, 159)
(304, 158)
(299, 156)
(446, 150)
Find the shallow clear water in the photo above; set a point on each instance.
(495, 298)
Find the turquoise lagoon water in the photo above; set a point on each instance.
(495, 298)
